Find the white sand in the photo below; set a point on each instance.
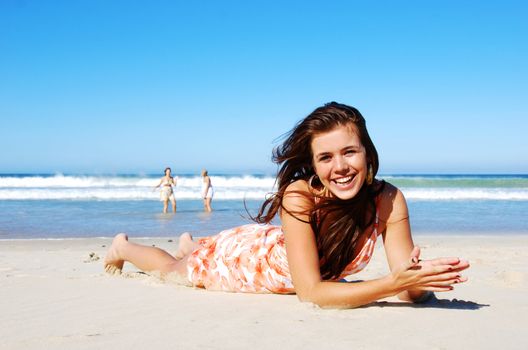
(54, 296)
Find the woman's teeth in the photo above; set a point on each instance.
(344, 180)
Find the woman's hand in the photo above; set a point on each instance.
(437, 275)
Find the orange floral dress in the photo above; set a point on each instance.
(252, 259)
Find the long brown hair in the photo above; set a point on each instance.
(337, 223)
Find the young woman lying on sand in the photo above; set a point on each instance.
(332, 211)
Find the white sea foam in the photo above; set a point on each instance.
(122, 181)
(72, 181)
(519, 194)
(128, 188)
(61, 187)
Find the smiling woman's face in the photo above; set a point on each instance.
(340, 160)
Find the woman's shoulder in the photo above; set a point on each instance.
(297, 200)
(387, 191)
(298, 185)
(391, 203)
(297, 196)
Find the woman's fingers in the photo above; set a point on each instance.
(435, 270)
(437, 288)
(440, 269)
(462, 265)
(444, 274)
(445, 283)
(445, 261)
(430, 270)
(445, 279)
(457, 263)
(437, 275)
(415, 254)
(442, 286)
(414, 259)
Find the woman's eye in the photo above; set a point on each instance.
(324, 158)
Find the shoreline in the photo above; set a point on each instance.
(59, 295)
(416, 235)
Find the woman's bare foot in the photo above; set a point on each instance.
(186, 246)
(113, 263)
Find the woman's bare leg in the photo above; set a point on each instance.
(173, 202)
(207, 204)
(145, 258)
(165, 205)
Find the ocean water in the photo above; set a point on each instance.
(64, 206)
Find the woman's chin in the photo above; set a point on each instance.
(344, 194)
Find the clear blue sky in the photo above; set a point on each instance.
(133, 86)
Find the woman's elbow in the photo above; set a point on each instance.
(311, 300)
(307, 295)
(303, 296)
(312, 296)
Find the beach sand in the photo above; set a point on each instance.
(55, 295)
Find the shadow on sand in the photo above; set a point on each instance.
(433, 303)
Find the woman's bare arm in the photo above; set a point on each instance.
(303, 263)
(399, 244)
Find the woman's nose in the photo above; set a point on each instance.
(340, 164)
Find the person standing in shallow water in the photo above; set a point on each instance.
(332, 209)
(167, 193)
(207, 191)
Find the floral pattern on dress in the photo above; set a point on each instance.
(252, 259)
